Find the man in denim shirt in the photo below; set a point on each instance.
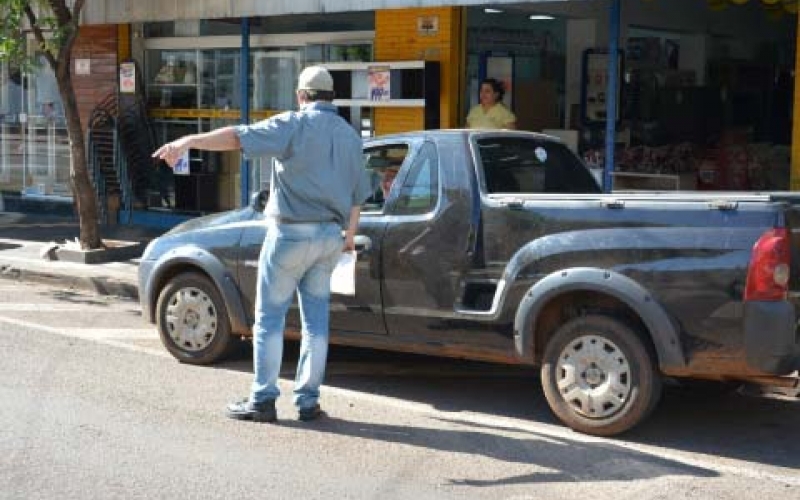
(317, 188)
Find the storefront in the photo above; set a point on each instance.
(705, 95)
(705, 98)
(193, 83)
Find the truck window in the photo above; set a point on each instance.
(526, 165)
(382, 164)
(419, 190)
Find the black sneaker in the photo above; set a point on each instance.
(257, 412)
(309, 414)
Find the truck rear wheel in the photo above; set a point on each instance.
(598, 376)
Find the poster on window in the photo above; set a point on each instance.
(127, 78)
(378, 83)
(594, 89)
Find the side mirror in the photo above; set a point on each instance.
(258, 201)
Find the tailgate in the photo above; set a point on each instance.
(793, 224)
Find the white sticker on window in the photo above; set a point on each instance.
(541, 154)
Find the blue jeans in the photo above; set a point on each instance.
(294, 257)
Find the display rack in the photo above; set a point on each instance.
(414, 84)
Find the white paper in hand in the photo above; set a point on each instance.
(182, 167)
(343, 279)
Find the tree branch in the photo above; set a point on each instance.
(39, 35)
(68, 21)
(60, 9)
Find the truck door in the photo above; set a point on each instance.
(427, 245)
(360, 313)
(363, 313)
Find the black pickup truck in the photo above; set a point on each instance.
(500, 246)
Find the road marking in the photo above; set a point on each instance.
(556, 433)
(108, 336)
(112, 333)
(45, 308)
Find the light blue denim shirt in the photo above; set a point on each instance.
(319, 174)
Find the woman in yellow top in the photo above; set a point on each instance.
(491, 112)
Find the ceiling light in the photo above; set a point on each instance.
(493, 11)
(541, 17)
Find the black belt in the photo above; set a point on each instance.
(284, 220)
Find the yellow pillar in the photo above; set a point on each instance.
(123, 42)
(794, 183)
(397, 39)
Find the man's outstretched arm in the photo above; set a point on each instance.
(221, 139)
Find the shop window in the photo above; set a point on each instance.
(34, 146)
(710, 110)
(275, 78)
(173, 79)
(528, 57)
(11, 107)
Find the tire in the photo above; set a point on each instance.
(598, 376)
(193, 321)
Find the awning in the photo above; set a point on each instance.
(131, 11)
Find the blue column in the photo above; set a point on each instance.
(244, 74)
(611, 91)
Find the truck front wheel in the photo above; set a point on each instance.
(598, 376)
(193, 321)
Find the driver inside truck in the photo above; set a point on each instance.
(387, 177)
(384, 171)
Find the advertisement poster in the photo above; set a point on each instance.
(378, 84)
(127, 78)
(595, 86)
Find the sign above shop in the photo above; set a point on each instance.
(83, 66)
(428, 25)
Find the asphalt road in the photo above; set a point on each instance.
(93, 407)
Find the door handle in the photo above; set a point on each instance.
(363, 243)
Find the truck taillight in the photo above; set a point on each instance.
(768, 273)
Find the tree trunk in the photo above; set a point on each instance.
(79, 179)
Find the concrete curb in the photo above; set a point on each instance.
(95, 283)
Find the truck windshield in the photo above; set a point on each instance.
(531, 165)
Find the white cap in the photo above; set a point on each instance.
(315, 78)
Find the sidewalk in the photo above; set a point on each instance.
(24, 238)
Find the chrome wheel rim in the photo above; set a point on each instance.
(191, 319)
(593, 376)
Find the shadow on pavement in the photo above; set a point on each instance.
(734, 425)
(598, 461)
(727, 425)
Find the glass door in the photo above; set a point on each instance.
(46, 155)
(11, 145)
(275, 78)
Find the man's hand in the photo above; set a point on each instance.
(349, 242)
(350, 232)
(171, 152)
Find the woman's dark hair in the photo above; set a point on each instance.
(497, 87)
